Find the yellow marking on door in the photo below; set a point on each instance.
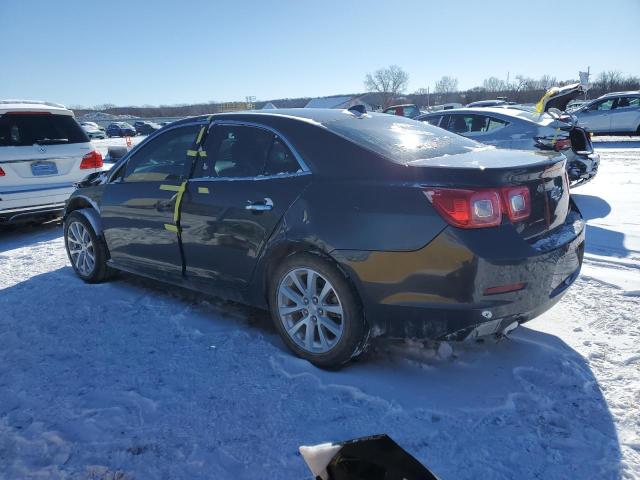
(200, 134)
(192, 153)
(203, 190)
(176, 209)
(170, 188)
(171, 228)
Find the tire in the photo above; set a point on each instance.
(91, 272)
(322, 336)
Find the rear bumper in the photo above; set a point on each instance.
(439, 291)
(33, 201)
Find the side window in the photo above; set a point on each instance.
(164, 158)
(459, 124)
(236, 151)
(603, 105)
(624, 102)
(433, 120)
(280, 159)
(495, 124)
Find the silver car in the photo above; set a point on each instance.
(524, 129)
(616, 113)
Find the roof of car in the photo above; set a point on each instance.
(630, 92)
(318, 116)
(33, 106)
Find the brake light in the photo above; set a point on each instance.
(465, 208)
(2, 174)
(517, 203)
(562, 144)
(92, 160)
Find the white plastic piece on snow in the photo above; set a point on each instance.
(445, 350)
(318, 458)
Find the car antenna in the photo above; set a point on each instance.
(358, 110)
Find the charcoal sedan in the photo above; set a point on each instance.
(345, 225)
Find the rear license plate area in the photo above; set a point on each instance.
(40, 169)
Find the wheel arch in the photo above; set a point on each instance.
(277, 252)
(87, 208)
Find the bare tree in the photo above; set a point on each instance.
(494, 84)
(446, 85)
(388, 82)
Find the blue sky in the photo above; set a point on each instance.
(169, 51)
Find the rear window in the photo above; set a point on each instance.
(400, 139)
(26, 129)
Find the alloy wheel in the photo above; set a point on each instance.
(81, 248)
(310, 310)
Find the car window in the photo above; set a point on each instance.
(433, 120)
(410, 111)
(163, 158)
(474, 124)
(26, 129)
(623, 102)
(280, 159)
(235, 151)
(398, 139)
(603, 105)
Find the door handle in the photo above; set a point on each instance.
(260, 206)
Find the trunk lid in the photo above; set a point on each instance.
(543, 173)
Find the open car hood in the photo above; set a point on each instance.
(559, 97)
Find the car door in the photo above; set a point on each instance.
(597, 116)
(138, 204)
(625, 116)
(235, 199)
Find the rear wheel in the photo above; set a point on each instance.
(87, 253)
(317, 312)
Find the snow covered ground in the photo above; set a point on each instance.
(137, 380)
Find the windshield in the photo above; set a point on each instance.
(25, 129)
(400, 139)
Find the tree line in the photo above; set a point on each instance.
(390, 84)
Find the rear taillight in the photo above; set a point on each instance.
(482, 208)
(2, 174)
(562, 144)
(467, 208)
(91, 160)
(553, 143)
(516, 202)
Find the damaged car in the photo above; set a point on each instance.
(344, 225)
(544, 128)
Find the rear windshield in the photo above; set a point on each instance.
(400, 139)
(25, 129)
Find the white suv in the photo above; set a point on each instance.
(43, 153)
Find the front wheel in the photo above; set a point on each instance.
(317, 311)
(87, 253)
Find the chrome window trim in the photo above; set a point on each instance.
(254, 178)
(124, 160)
(305, 170)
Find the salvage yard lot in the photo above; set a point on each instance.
(150, 381)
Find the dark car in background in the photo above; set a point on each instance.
(409, 110)
(520, 128)
(120, 129)
(144, 127)
(344, 225)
